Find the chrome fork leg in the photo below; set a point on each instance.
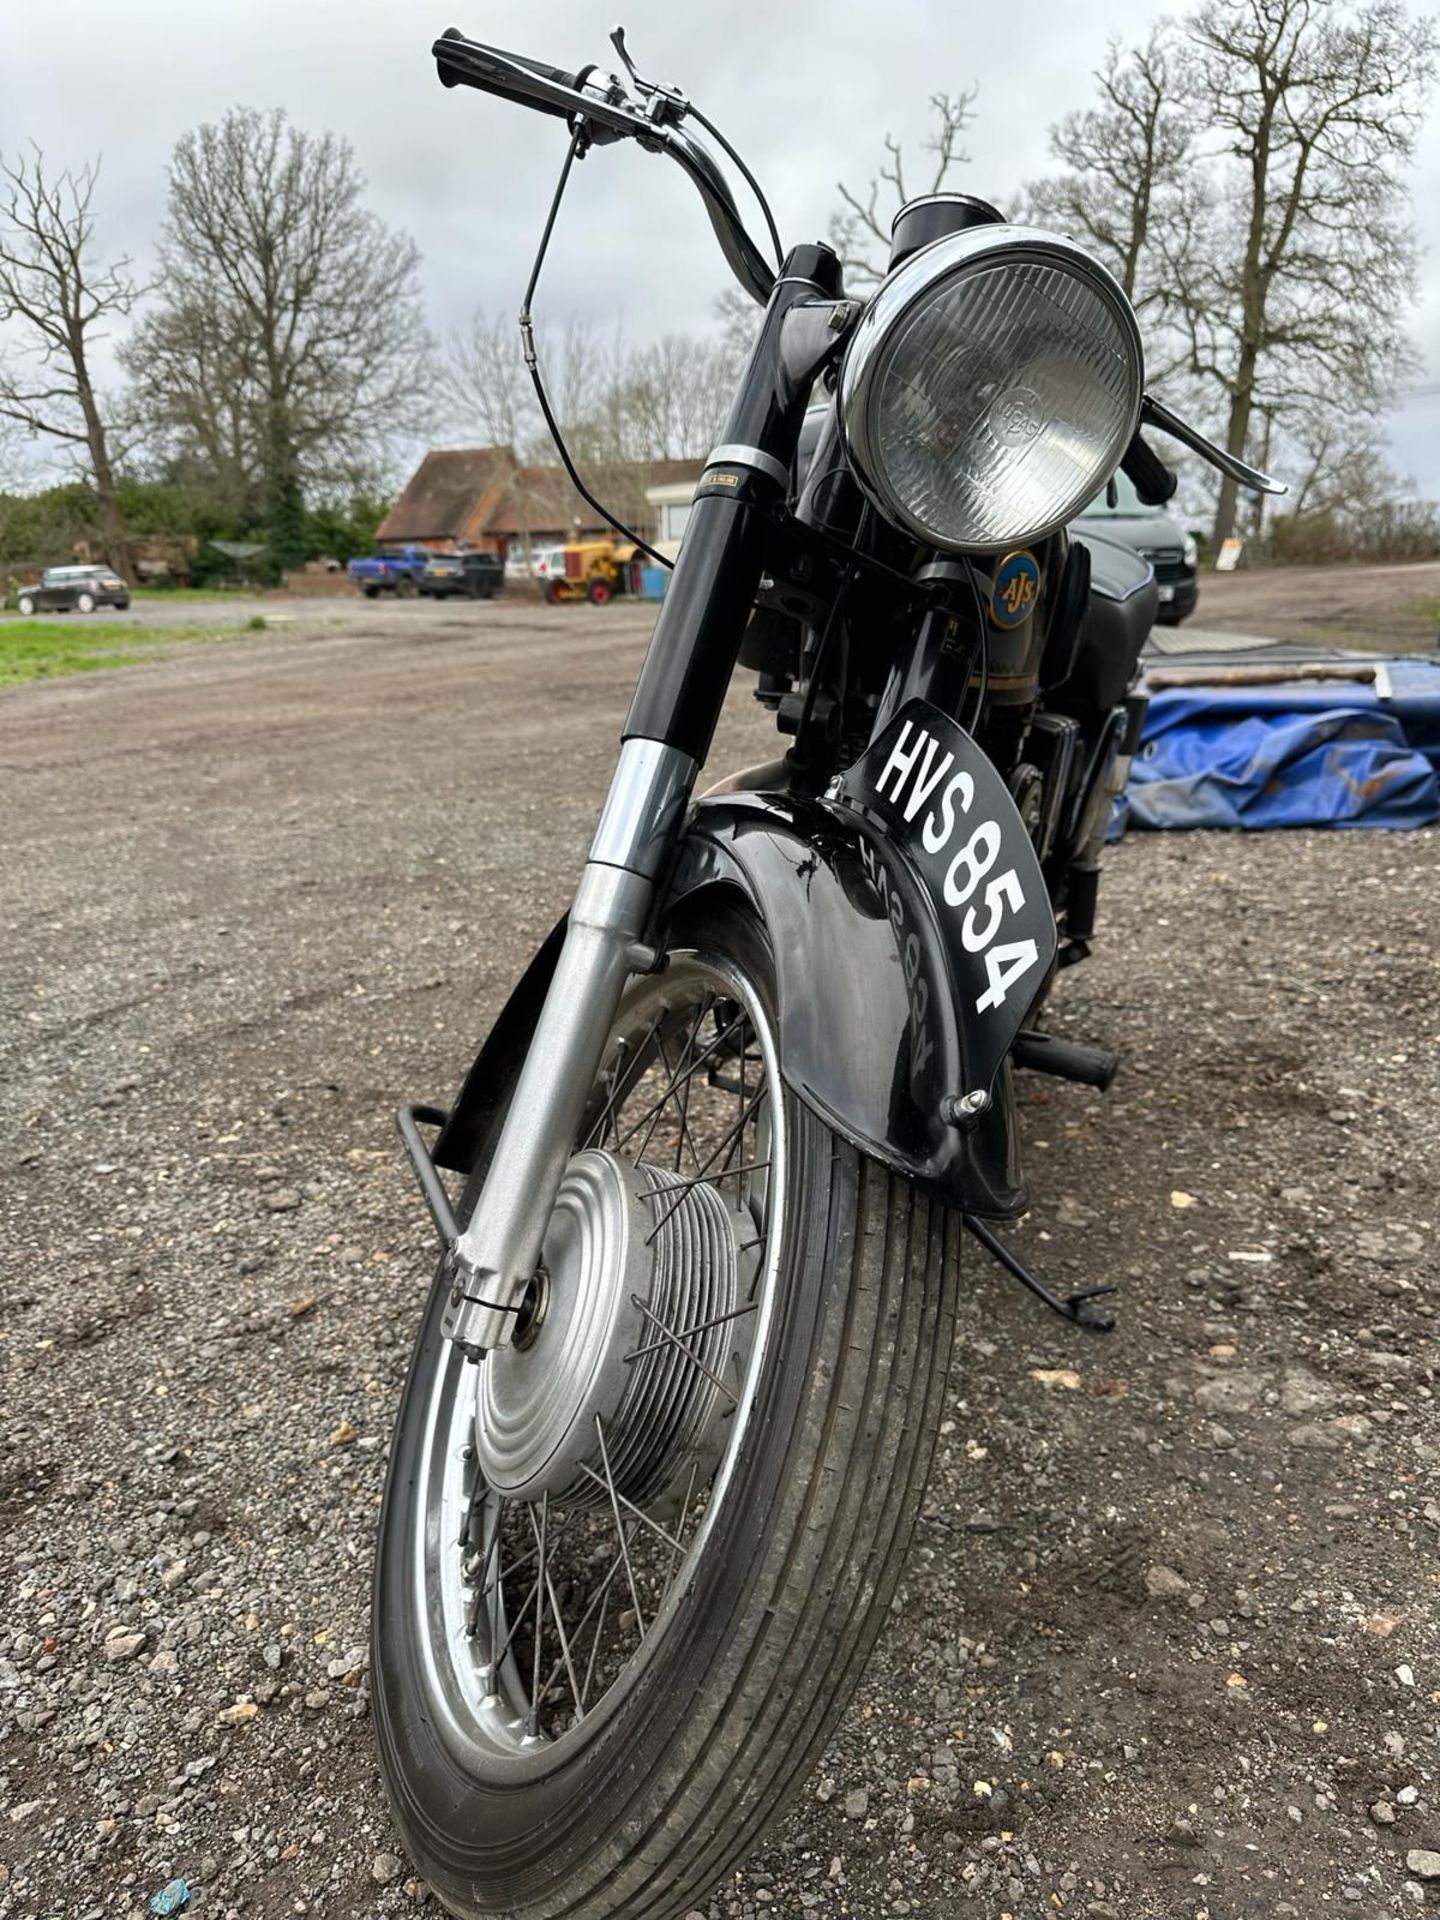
(496, 1255)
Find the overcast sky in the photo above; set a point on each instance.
(807, 92)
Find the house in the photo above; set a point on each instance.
(449, 501)
(464, 498)
(670, 503)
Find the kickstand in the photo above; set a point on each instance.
(1075, 1307)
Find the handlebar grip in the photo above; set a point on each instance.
(1147, 473)
(469, 63)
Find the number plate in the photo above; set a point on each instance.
(943, 802)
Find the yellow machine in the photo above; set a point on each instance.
(595, 570)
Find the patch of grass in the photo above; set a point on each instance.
(255, 624)
(44, 649)
(1426, 610)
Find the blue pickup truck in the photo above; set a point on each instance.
(397, 573)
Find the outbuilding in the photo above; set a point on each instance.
(463, 499)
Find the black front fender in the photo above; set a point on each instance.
(872, 1034)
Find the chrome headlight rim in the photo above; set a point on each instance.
(922, 277)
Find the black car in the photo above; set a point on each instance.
(77, 589)
(1157, 537)
(479, 576)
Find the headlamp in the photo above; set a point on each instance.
(991, 388)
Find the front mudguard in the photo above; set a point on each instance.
(873, 1035)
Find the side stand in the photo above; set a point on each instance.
(1078, 1308)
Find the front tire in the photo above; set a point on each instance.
(25, 606)
(628, 1803)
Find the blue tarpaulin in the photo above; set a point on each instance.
(1303, 754)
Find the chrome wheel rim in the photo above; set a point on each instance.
(541, 1607)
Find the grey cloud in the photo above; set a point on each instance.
(806, 90)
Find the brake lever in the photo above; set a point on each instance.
(1153, 414)
(665, 105)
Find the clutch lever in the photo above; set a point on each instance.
(1154, 414)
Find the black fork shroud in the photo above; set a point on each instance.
(862, 1041)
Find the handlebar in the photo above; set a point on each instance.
(470, 63)
(531, 83)
(606, 113)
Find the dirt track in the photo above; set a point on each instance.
(1395, 608)
(1169, 1642)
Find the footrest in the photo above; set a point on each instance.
(1066, 1059)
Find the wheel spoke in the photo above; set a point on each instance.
(684, 1094)
(596, 1599)
(613, 1491)
(672, 1083)
(599, 1631)
(596, 1136)
(689, 1333)
(699, 1061)
(678, 1193)
(667, 1338)
(542, 1581)
(482, 1582)
(630, 1507)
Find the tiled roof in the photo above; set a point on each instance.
(450, 490)
(468, 494)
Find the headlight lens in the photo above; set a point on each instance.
(991, 388)
(1192, 551)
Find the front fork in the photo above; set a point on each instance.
(677, 701)
(495, 1256)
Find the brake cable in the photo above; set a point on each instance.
(579, 144)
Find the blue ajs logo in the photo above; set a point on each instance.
(1015, 590)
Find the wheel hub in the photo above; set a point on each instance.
(633, 1345)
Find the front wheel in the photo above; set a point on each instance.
(25, 606)
(630, 1567)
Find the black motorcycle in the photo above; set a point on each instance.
(674, 1399)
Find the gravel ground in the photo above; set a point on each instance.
(1168, 1643)
(1393, 608)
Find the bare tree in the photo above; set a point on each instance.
(1297, 279)
(489, 378)
(195, 380)
(614, 403)
(1125, 166)
(52, 284)
(280, 284)
(860, 230)
(676, 393)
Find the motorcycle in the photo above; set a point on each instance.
(675, 1393)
